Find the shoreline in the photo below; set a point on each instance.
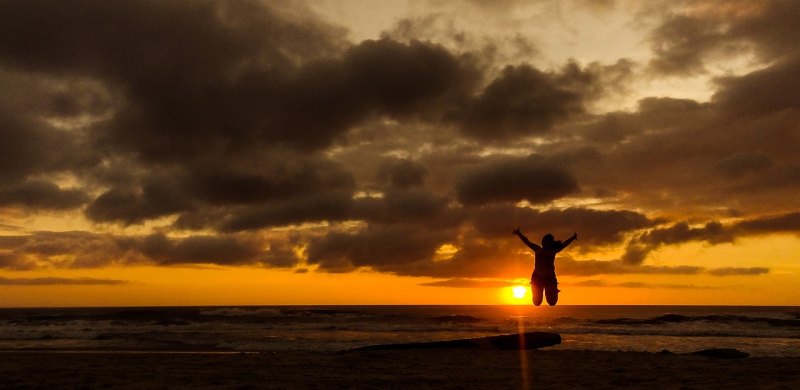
(413, 368)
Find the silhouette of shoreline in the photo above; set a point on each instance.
(402, 368)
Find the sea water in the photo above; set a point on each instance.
(760, 331)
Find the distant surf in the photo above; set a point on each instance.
(759, 331)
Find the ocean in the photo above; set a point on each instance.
(760, 331)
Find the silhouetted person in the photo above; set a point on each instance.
(544, 268)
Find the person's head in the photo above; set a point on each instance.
(548, 241)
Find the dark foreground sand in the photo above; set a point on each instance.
(405, 369)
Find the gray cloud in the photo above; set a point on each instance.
(514, 179)
(89, 250)
(595, 227)
(402, 173)
(681, 42)
(402, 249)
(639, 247)
(521, 101)
(684, 41)
(469, 283)
(761, 92)
(157, 196)
(602, 283)
(235, 118)
(271, 189)
(712, 232)
(41, 194)
(330, 205)
(786, 223)
(734, 271)
(409, 206)
(569, 266)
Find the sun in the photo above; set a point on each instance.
(519, 291)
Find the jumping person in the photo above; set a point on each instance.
(543, 278)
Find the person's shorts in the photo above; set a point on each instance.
(544, 281)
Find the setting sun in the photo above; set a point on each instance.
(519, 292)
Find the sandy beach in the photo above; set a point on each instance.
(470, 369)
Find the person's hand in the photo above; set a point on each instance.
(516, 231)
(575, 235)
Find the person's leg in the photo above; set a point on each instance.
(537, 293)
(552, 294)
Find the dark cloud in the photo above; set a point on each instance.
(85, 250)
(521, 101)
(712, 232)
(280, 180)
(40, 194)
(33, 148)
(402, 173)
(72, 249)
(513, 180)
(16, 262)
(263, 189)
(409, 206)
(733, 271)
(697, 156)
(638, 248)
(129, 204)
(596, 80)
(602, 283)
(59, 281)
(185, 73)
(469, 283)
(761, 92)
(786, 223)
(741, 164)
(568, 266)
(331, 206)
(686, 39)
(401, 249)
(226, 76)
(235, 118)
(734, 151)
(400, 77)
(479, 258)
(595, 227)
(681, 43)
(222, 250)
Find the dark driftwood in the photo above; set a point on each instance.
(516, 341)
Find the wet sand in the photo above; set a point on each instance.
(400, 369)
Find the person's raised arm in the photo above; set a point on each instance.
(569, 240)
(526, 241)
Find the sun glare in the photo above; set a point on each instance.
(519, 292)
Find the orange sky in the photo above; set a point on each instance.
(361, 152)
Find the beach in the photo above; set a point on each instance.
(402, 347)
(448, 369)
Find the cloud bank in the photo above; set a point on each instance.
(259, 134)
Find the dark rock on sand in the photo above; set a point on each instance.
(722, 353)
(516, 341)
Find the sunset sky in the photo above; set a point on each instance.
(381, 152)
